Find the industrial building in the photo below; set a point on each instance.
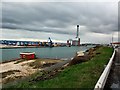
(74, 42)
(20, 43)
(48, 43)
(115, 44)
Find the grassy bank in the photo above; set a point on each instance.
(83, 75)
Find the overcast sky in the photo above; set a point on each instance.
(58, 20)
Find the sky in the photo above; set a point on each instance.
(37, 21)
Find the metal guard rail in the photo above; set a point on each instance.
(102, 80)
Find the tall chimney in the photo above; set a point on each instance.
(77, 34)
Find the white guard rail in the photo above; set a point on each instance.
(102, 80)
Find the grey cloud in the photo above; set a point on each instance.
(105, 29)
(33, 29)
(58, 17)
(10, 20)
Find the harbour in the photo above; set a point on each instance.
(56, 52)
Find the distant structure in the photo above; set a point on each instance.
(69, 42)
(74, 42)
(20, 43)
(77, 34)
(115, 44)
(50, 43)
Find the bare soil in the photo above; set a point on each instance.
(88, 55)
(14, 70)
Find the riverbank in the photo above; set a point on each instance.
(80, 75)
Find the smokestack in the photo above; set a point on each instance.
(78, 41)
(77, 34)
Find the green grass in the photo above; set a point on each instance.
(83, 75)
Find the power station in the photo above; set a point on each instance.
(74, 42)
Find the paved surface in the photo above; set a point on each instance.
(113, 80)
(56, 66)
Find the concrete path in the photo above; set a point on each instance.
(56, 66)
(113, 80)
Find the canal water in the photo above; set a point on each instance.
(55, 52)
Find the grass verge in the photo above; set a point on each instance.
(83, 75)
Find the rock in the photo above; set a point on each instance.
(84, 56)
(80, 53)
(79, 59)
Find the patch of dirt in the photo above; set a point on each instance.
(19, 61)
(77, 60)
(42, 64)
(46, 75)
(47, 65)
(88, 55)
(11, 71)
(15, 70)
(9, 79)
(5, 74)
(39, 65)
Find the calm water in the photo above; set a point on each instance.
(55, 52)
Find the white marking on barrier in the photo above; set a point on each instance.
(102, 80)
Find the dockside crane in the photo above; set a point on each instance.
(50, 43)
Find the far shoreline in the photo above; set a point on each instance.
(12, 47)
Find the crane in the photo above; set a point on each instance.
(50, 43)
